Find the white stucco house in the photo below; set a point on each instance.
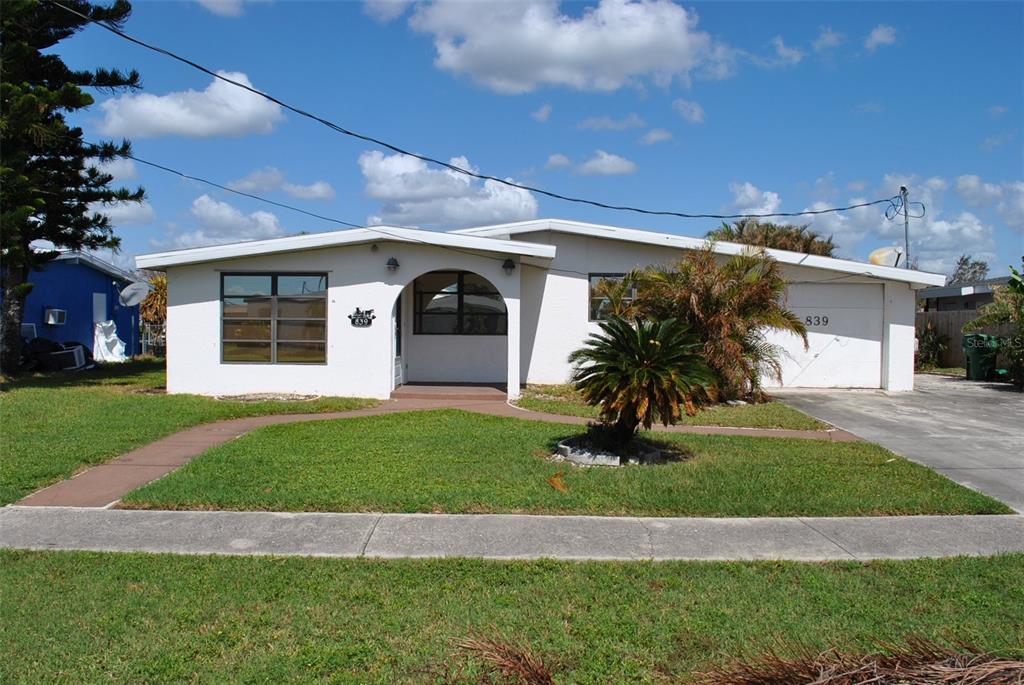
(360, 312)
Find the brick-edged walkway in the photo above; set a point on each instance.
(106, 483)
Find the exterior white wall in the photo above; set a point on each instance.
(867, 343)
(360, 361)
(898, 348)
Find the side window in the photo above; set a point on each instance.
(599, 305)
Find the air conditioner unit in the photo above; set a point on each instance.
(55, 317)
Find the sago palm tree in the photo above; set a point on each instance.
(638, 372)
(731, 306)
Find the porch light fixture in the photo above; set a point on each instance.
(509, 266)
(392, 264)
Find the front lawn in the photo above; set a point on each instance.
(958, 371)
(563, 399)
(458, 462)
(52, 425)
(137, 618)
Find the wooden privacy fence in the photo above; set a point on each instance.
(950, 324)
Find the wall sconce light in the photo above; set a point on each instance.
(509, 266)
(392, 264)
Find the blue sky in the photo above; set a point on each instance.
(707, 107)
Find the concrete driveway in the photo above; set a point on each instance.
(972, 433)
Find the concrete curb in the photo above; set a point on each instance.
(507, 536)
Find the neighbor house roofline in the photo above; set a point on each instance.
(355, 236)
(106, 267)
(917, 279)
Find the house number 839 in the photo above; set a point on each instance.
(816, 320)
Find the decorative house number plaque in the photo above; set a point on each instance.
(362, 318)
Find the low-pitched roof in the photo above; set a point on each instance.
(314, 241)
(94, 262)
(915, 278)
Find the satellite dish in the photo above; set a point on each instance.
(134, 293)
(886, 256)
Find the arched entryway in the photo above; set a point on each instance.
(450, 326)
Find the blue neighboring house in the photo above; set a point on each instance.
(86, 289)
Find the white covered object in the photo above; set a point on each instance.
(107, 347)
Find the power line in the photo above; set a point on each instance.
(448, 165)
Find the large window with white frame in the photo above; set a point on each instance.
(274, 318)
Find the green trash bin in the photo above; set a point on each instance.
(980, 351)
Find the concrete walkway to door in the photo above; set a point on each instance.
(972, 433)
(105, 484)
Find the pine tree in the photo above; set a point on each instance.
(50, 181)
(968, 270)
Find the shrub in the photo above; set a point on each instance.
(639, 372)
(730, 306)
(930, 346)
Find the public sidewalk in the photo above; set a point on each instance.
(507, 536)
(106, 483)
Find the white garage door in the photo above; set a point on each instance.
(844, 329)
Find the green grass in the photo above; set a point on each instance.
(563, 399)
(54, 424)
(958, 371)
(454, 461)
(135, 618)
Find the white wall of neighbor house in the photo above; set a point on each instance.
(360, 361)
(860, 330)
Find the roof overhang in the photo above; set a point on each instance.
(916, 279)
(94, 262)
(355, 236)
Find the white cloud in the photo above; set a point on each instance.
(996, 111)
(606, 123)
(785, 55)
(516, 47)
(271, 178)
(975, 192)
(690, 111)
(749, 199)
(937, 244)
(385, 10)
(222, 109)
(998, 140)
(121, 168)
(220, 222)
(223, 8)
(856, 186)
(880, 35)
(542, 113)
(846, 228)
(1012, 206)
(827, 40)
(260, 181)
(125, 213)
(606, 164)
(558, 161)
(412, 194)
(318, 190)
(656, 135)
(1006, 198)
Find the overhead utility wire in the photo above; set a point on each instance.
(448, 165)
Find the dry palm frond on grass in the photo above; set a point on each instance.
(511, 664)
(920, 662)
